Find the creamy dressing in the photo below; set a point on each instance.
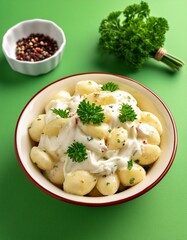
(145, 129)
(91, 164)
(100, 160)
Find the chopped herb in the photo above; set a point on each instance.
(110, 86)
(131, 181)
(90, 113)
(127, 113)
(38, 119)
(134, 153)
(107, 183)
(62, 113)
(77, 152)
(130, 164)
(89, 138)
(109, 130)
(118, 140)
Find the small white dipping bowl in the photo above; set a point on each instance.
(23, 30)
(147, 101)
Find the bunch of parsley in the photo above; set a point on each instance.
(134, 36)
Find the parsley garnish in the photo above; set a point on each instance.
(62, 113)
(90, 113)
(127, 113)
(130, 164)
(110, 86)
(77, 152)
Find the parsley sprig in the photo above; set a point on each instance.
(127, 113)
(77, 152)
(62, 113)
(90, 113)
(110, 86)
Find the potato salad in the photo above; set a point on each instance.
(96, 141)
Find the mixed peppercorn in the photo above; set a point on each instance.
(35, 47)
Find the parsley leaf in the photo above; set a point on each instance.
(62, 113)
(77, 152)
(110, 86)
(90, 113)
(127, 113)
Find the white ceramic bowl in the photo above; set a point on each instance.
(24, 29)
(148, 101)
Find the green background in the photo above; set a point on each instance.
(28, 213)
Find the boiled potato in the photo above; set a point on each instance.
(101, 98)
(117, 138)
(41, 158)
(150, 153)
(86, 87)
(63, 95)
(36, 128)
(96, 131)
(108, 185)
(151, 119)
(108, 116)
(80, 182)
(53, 127)
(133, 176)
(51, 104)
(148, 133)
(56, 174)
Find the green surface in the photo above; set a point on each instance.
(28, 213)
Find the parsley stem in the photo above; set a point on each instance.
(172, 62)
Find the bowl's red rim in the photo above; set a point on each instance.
(175, 145)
